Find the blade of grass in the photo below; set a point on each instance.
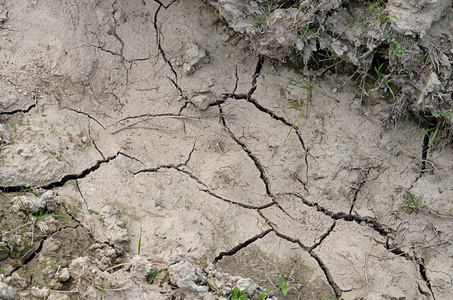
(294, 124)
(296, 106)
(157, 273)
(435, 133)
(140, 241)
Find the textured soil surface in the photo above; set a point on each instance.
(148, 151)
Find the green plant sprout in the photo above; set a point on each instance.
(445, 112)
(294, 124)
(257, 21)
(378, 72)
(157, 273)
(412, 201)
(90, 211)
(54, 264)
(284, 286)
(262, 296)
(214, 287)
(238, 295)
(268, 7)
(305, 30)
(436, 128)
(140, 241)
(380, 11)
(297, 84)
(391, 79)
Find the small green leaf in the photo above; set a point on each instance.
(284, 286)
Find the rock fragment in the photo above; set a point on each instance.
(194, 58)
(7, 292)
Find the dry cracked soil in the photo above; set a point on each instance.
(147, 153)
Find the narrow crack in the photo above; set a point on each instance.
(80, 192)
(258, 165)
(85, 114)
(380, 228)
(161, 50)
(130, 157)
(70, 213)
(237, 80)
(321, 264)
(205, 189)
(425, 149)
(270, 113)
(241, 246)
(361, 183)
(421, 265)
(94, 143)
(165, 6)
(24, 111)
(328, 275)
(62, 181)
(208, 191)
(34, 251)
(322, 237)
(255, 76)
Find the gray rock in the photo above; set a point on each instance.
(40, 293)
(7, 292)
(5, 135)
(195, 58)
(64, 275)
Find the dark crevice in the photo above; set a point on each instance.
(24, 111)
(425, 278)
(255, 76)
(34, 251)
(156, 169)
(94, 143)
(258, 165)
(380, 228)
(161, 50)
(112, 31)
(183, 108)
(357, 189)
(191, 152)
(425, 149)
(163, 5)
(80, 192)
(205, 189)
(269, 112)
(106, 50)
(240, 246)
(131, 157)
(144, 117)
(85, 114)
(117, 99)
(247, 206)
(28, 257)
(147, 116)
(322, 237)
(65, 178)
(71, 214)
(321, 264)
(237, 80)
(326, 272)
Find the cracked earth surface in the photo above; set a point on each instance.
(156, 109)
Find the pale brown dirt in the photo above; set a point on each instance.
(102, 116)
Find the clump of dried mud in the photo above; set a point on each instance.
(405, 47)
